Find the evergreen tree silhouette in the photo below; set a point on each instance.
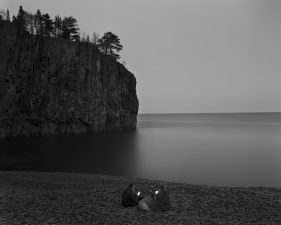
(29, 18)
(110, 43)
(47, 24)
(21, 22)
(70, 28)
(57, 32)
(38, 23)
(8, 15)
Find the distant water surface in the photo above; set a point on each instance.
(218, 149)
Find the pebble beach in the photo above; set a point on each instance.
(70, 198)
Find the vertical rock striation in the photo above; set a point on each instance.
(51, 86)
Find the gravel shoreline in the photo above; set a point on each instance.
(69, 198)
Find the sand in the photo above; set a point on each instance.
(68, 198)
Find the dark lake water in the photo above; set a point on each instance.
(232, 149)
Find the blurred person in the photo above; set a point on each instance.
(162, 200)
(129, 197)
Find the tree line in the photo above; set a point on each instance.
(66, 28)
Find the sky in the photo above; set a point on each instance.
(188, 56)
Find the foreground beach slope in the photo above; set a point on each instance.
(60, 198)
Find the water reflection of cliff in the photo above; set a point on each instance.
(111, 153)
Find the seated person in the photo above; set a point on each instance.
(162, 201)
(129, 197)
(146, 202)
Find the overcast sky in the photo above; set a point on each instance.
(188, 55)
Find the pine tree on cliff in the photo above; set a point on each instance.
(48, 25)
(21, 21)
(95, 38)
(57, 32)
(65, 32)
(38, 23)
(110, 43)
(70, 28)
(8, 15)
(29, 18)
(14, 20)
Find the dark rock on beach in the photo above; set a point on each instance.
(60, 198)
(51, 86)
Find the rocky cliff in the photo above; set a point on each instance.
(51, 86)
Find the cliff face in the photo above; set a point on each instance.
(51, 86)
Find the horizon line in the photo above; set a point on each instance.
(203, 112)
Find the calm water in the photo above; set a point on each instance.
(234, 149)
